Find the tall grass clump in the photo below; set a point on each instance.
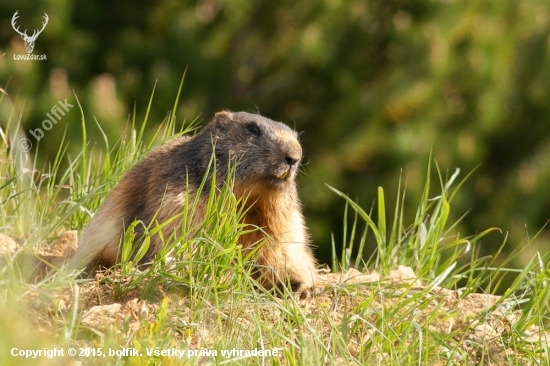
(441, 260)
(429, 245)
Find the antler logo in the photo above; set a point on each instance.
(29, 40)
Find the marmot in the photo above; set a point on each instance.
(266, 155)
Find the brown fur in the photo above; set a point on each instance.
(267, 155)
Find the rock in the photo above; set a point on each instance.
(66, 245)
(403, 275)
(98, 316)
(7, 244)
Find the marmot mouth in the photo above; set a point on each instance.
(282, 174)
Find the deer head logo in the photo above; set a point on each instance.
(29, 40)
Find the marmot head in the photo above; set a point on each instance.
(266, 153)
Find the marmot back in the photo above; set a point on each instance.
(266, 155)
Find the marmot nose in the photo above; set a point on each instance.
(292, 152)
(292, 161)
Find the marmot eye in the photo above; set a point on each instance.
(254, 129)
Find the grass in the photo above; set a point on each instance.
(198, 304)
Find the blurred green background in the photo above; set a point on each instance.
(372, 86)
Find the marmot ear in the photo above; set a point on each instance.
(222, 119)
(224, 114)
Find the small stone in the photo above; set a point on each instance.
(7, 244)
